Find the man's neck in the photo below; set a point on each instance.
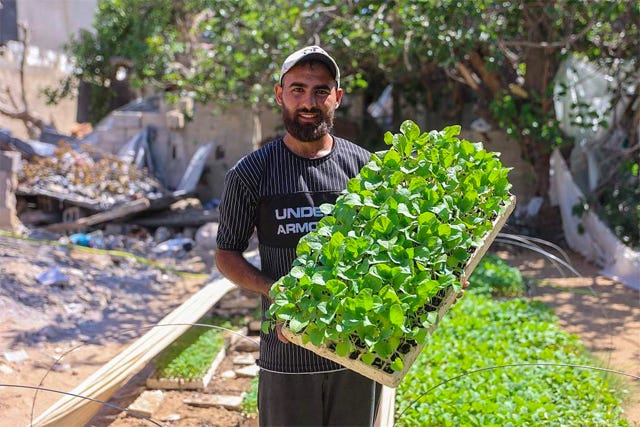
(312, 149)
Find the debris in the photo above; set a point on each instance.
(61, 367)
(206, 235)
(147, 403)
(230, 374)
(162, 234)
(97, 184)
(244, 359)
(80, 239)
(53, 277)
(207, 401)
(175, 245)
(6, 369)
(481, 125)
(16, 356)
(248, 371)
(255, 326)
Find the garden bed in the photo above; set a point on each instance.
(190, 362)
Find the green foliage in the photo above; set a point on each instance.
(526, 119)
(190, 356)
(124, 35)
(617, 204)
(365, 283)
(480, 333)
(492, 276)
(223, 50)
(250, 399)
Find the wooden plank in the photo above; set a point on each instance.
(73, 199)
(117, 212)
(393, 379)
(71, 411)
(386, 408)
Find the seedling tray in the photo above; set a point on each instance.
(441, 304)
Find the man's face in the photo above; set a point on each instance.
(309, 98)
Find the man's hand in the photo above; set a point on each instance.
(281, 336)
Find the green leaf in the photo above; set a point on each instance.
(296, 325)
(396, 314)
(343, 349)
(397, 364)
(410, 130)
(452, 131)
(367, 358)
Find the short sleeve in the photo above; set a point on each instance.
(237, 214)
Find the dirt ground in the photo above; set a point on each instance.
(50, 322)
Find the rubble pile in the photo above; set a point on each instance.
(108, 181)
(78, 292)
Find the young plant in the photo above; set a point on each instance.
(367, 283)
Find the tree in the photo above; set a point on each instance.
(507, 53)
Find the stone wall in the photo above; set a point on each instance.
(10, 163)
(52, 22)
(44, 69)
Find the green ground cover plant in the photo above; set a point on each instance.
(250, 399)
(190, 356)
(493, 276)
(481, 332)
(367, 283)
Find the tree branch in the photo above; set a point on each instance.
(553, 45)
(32, 122)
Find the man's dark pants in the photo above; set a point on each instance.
(341, 398)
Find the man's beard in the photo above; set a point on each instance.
(307, 132)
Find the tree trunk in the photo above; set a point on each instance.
(540, 63)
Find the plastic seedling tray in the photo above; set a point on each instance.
(440, 304)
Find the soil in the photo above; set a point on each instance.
(106, 298)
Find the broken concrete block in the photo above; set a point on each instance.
(111, 140)
(147, 403)
(16, 356)
(228, 374)
(127, 119)
(244, 359)
(186, 105)
(7, 369)
(247, 345)
(175, 119)
(153, 119)
(9, 167)
(230, 402)
(248, 371)
(10, 161)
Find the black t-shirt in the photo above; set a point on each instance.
(277, 193)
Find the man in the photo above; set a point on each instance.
(276, 191)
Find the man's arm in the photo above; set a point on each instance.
(234, 266)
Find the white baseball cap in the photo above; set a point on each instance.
(311, 52)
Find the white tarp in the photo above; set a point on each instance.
(584, 87)
(596, 242)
